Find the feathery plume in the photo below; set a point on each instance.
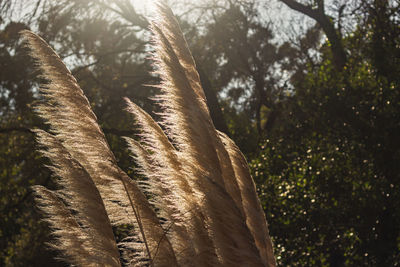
(183, 206)
(73, 123)
(208, 213)
(255, 218)
(189, 125)
(89, 238)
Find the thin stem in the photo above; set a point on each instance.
(137, 216)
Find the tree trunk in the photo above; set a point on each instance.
(212, 103)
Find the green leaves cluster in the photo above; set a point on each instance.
(328, 174)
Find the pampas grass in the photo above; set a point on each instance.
(208, 213)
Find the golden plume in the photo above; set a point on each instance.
(208, 213)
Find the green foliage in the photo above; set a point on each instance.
(328, 174)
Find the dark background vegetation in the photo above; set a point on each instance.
(308, 89)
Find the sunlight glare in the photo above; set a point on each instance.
(143, 7)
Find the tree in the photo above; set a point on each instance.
(316, 11)
(246, 63)
(329, 167)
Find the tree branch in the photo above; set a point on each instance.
(306, 10)
(339, 55)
